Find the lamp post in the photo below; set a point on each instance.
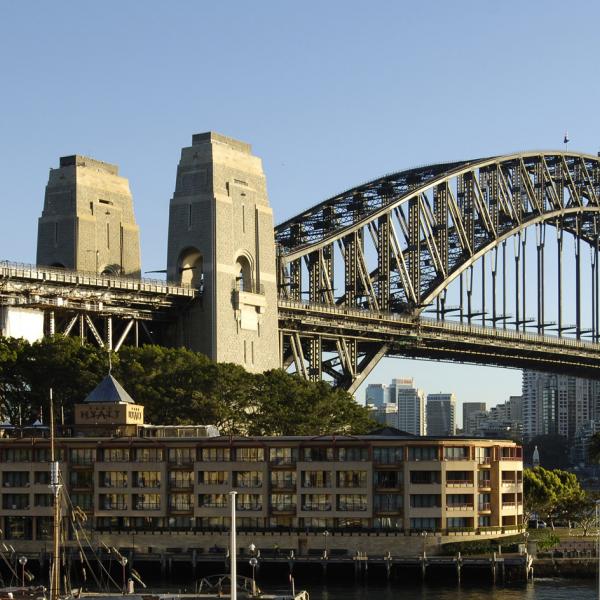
(424, 536)
(326, 534)
(253, 562)
(526, 537)
(23, 562)
(124, 564)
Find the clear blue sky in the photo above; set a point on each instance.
(330, 94)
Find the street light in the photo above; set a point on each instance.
(253, 562)
(424, 536)
(326, 534)
(124, 564)
(23, 562)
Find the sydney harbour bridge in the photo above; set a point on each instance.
(489, 261)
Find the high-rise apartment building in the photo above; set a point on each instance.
(441, 414)
(556, 404)
(468, 408)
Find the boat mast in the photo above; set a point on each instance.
(55, 486)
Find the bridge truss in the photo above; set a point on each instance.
(412, 253)
(105, 310)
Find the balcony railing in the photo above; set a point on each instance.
(485, 506)
(460, 482)
(459, 507)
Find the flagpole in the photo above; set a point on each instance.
(233, 549)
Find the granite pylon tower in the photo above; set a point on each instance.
(221, 241)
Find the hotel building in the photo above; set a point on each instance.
(129, 476)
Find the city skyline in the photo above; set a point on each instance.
(135, 103)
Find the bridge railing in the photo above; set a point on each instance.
(429, 322)
(59, 275)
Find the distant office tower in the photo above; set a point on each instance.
(557, 404)
(399, 405)
(441, 414)
(411, 406)
(376, 394)
(88, 222)
(469, 408)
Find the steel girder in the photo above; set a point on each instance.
(399, 241)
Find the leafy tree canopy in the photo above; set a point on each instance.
(552, 494)
(176, 386)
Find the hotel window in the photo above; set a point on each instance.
(215, 454)
(425, 500)
(113, 502)
(283, 523)
(317, 523)
(425, 524)
(15, 479)
(283, 502)
(182, 456)
(80, 479)
(484, 501)
(353, 454)
(389, 480)
(146, 502)
(44, 528)
(456, 453)
(41, 455)
(18, 528)
(351, 502)
(181, 502)
(42, 477)
(425, 477)
(316, 479)
(483, 455)
(388, 523)
(82, 456)
(317, 454)
(148, 454)
(283, 480)
(248, 479)
(388, 456)
(462, 501)
(15, 501)
(248, 502)
(282, 456)
(459, 477)
(352, 479)
(250, 454)
(113, 479)
(213, 477)
(459, 523)
(116, 454)
(422, 453)
(316, 502)
(388, 502)
(43, 500)
(213, 500)
(352, 523)
(181, 479)
(83, 501)
(147, 479)
(16, 455)
(485, 521)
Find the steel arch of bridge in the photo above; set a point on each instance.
(427, 227)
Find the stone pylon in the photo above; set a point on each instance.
(88, 222)
(221, 241)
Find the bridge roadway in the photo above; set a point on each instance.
(61, 289)
(101, 303)
(420, 337)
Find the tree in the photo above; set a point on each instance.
(551, 493)
(176, 386)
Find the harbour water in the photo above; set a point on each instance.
(541, 589)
